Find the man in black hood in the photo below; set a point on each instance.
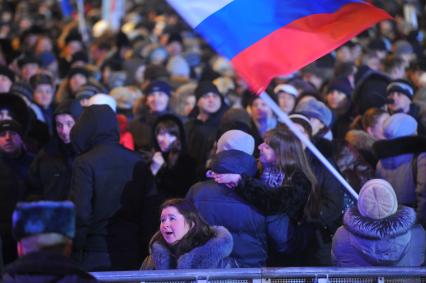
(99, 175)
(50, 172)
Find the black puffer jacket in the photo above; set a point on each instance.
(99, 176)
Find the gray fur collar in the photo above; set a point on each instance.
(392, 226)
(208, 255)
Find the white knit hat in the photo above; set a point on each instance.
(287, 89)
(236, 139)
(103, 99)
(377, 199)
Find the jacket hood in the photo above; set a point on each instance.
(97, 124)
(384, 241)
(234, 161)
(178, 122)
(205, 256)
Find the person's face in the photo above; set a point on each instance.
(266, 154)
(73, 47)
(64, 124)
(336, 99)
(209, 103)
(157, 101)
(29, 70)
(188, 105)
(376, 130)
(5, 84)
(260, 110)
(401, 103)
(165, 140)
(286, 102)
(10, 142)
(173, 226)
(43, 95)
(77, 81)
(5, 115)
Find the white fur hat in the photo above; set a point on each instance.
(103, 99)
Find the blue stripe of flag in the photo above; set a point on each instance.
(242, 23)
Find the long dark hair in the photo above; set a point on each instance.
(199, 233)
(172, 128)
(290, 156)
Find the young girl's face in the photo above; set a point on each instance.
(165, 140)
(173, 226)
(266, 154)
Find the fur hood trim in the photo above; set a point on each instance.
(359, 139)
(392, 226)
(399, 146)
(208, 255)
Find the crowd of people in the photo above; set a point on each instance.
(169, 160)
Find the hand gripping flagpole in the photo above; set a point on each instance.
(284, 118)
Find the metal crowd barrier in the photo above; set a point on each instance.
(271, 275)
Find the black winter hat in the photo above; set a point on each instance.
(205, 87)
(342, 85)
(40, 79)
(11, 125)
(5, 71)
(158, 86)
(78, 70)
(71, 107)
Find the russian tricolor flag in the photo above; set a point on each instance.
(267, 38)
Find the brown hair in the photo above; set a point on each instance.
(172, 128)
(290, 156)
(370, 117)
(199, 233)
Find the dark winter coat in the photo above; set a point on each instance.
(174, 181)
(393, 241)
(14, 187)
(99, 176)
(50, 172)
(398, 165)
(220, 205)
(215, 253)
(45, 267)
(201, 136)
(289, 198)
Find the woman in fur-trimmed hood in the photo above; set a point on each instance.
(378, 232)
(186, 241)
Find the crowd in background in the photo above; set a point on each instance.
(120, 122)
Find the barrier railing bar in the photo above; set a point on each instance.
(258, 273)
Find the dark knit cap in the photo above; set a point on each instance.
(205, 87)
(5, 71)
(11, 125)
(33, 218)
(74, 35)
(342, 85)
(40, 79)
(401, 86)
(158, 86)
(71, 107)
(78, 70)
(27, 59)
(17, 108)
(80, 56)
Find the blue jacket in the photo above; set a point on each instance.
(393, 241)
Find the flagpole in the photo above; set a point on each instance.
(284, 118)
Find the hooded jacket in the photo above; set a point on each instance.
(393, 241)
(99, 176)
(222, 206)
(50, 172)
(402, 162)
(215, 253)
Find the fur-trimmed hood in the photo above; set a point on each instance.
(213, 254)
(381, 241)
(399, 146)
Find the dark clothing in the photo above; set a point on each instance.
(50, 172)
(289, 198)
(222, 206)
(201, 138)
(14, 187)
(99, 176)
(45, 266)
